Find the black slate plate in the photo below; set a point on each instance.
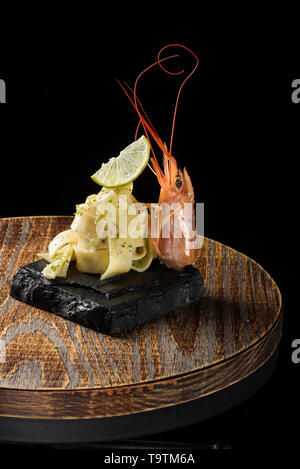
(111, 306)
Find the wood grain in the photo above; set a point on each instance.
(57, 369)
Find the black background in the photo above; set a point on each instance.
(236, 132)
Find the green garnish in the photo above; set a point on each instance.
(98, 218)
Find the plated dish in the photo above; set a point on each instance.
(113, 234)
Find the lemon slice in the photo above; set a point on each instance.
(125, 168)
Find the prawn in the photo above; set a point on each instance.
(176, 189)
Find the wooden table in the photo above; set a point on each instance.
(61, 382)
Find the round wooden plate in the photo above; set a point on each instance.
(55, 373)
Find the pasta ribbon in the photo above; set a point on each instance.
(88, 242)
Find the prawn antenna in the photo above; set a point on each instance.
(182, 84)
(144, 120)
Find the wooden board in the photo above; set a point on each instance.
(51, 368)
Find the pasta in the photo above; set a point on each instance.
(108, 236)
